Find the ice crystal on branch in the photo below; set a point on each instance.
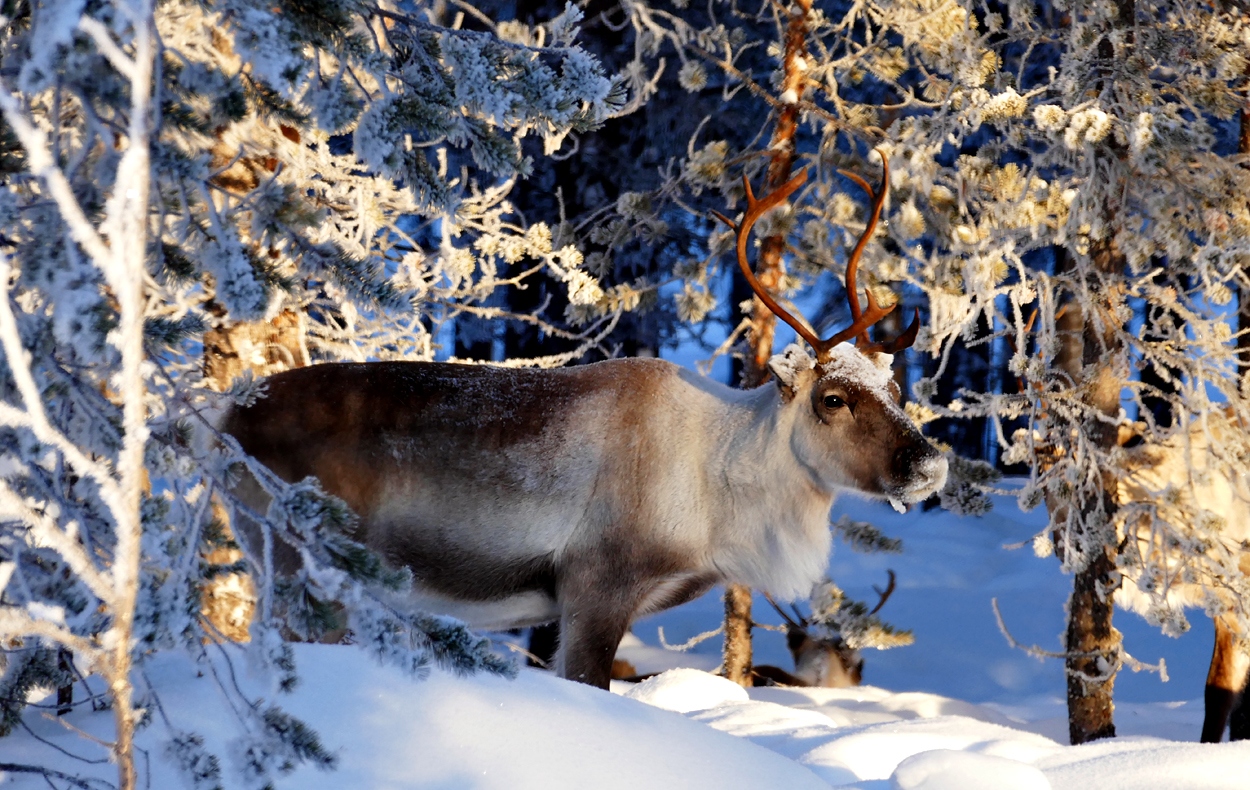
(866, 538)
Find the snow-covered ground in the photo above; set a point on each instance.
(959, 710)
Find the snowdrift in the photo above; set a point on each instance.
(682, 729)
(966, 711)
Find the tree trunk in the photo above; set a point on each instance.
(65, 693)
(1091, 677)
(263, 347)
(769, 270)
(128, 224)
(1159, 377)
(228, 602)
(737, 652)
(1243, 300)
(1092, 642)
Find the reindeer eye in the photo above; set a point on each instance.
(834, 402)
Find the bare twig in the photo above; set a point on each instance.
(77, 730)
(85, 784)
(1121, 656)
(682, 648)
(515, 648)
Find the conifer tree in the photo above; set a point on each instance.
(357, 165)
(173, 168)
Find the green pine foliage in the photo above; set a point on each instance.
(27, 670)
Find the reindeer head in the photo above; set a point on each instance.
(825, 661)
(849, 429)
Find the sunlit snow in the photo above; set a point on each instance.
(959, 710)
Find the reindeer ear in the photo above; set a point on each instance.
(882, 360)
(788, 369)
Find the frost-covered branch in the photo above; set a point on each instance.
(35, 142)
(177, 171)
(1121, 655)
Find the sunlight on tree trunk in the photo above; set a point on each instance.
(129, 246)
(1090, 679)
(262, 348)
(1093, 644)
(737, 651)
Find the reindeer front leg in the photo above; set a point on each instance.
(596, 609)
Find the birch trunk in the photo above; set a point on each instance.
(124, 273)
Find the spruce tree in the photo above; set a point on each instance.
(171, 173)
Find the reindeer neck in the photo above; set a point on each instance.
(772, 528)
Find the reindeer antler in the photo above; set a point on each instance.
(860, 320)
(877, 199)
(885, 594)
(800, 623)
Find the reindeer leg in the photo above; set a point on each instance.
(1226, 682)
(589, 635)
(596, 607)
(1239, 720)
(542, 645)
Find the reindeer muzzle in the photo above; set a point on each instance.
(919, 470)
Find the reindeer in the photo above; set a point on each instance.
(1158, 478)
(820, 662)
(597, 494)
(1153, 470)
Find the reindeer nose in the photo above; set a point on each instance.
(908, 458)
(919, 466)
(934, 466)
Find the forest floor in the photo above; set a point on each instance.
(959, 710)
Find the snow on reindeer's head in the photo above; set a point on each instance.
(850, 431)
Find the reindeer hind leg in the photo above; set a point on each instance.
(1226, 684)
(542, 645)
(1239, 719)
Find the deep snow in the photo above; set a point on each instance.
(959, 710)
(682, 729)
